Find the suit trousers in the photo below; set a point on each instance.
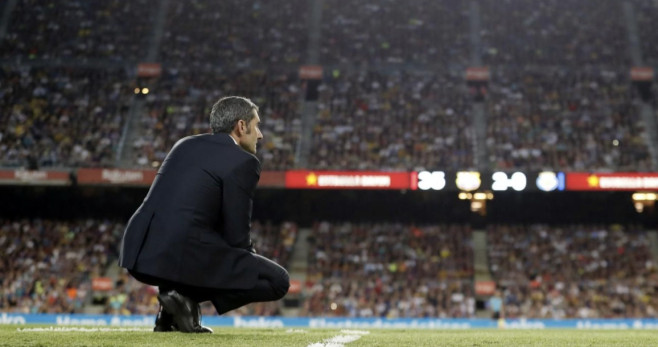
(272, 284)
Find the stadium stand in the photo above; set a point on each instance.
(392, 97)
(366, 33)
(112, 30)
(645, 14)
(575, 271)
(375, 121)
(47, 265)
(392, 270)
(61, 117)
(180, 103)
(556, 32)
(244, 34)
(575, 58)
(564, 119)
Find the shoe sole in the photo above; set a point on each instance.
(176, 309)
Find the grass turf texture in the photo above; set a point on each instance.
(10, 336)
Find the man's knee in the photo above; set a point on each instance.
(282, 285)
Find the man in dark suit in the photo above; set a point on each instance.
(191, 235)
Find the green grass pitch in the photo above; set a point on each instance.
(14, 335)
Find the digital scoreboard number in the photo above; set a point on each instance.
(498, 181)
(434, 180)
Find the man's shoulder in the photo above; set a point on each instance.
(207, 138)
(226, 145)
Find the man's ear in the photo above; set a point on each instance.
(241, 127)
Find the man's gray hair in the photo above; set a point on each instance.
(227, 111)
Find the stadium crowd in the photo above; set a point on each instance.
(422, 32)
(575, 271)
(559, 99)
(180, 102)
(237, 33)
(401, 121)
(570, 108)
(47, 265)
(61, 117)
(393, 270)
(114, 30)
(645, 15)
(561, 119)
(573, 33)
(390, 270)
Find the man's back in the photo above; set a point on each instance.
(197, 211)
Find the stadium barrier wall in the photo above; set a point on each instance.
(333, 322)
(374, 180)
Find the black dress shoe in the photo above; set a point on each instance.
(184, 312)
(181, 308)
(164, 321)
(197, 322)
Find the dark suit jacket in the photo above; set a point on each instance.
(194, 224)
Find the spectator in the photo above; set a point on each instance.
(562, 119)
(376, 121)
(568, 33)
(61, 117)
(113, 30)
(47, 265)
(573, 271)
(373, 33)
(393, 271)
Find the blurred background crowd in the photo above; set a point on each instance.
(392, 97)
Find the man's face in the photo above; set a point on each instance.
(250, 137)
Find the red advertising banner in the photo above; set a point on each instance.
(295, 287)
(20, 177)
(268, 179)
(149, 70)
(477, 74)
(310, 72)
(641, 73)
(347, 180)
(612, 181)
(102, 283)
(116, 176)
(272, 179)
(485, 287)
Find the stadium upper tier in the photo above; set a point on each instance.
(393, 95)
(262, 33)
(112, 30)
(554, 32)
(61, 117)
(180, 104)
(572, 121)
(428, 32)
(64, 117)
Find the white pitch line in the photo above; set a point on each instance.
(341, 340)
(296, 331)
(78, 329)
